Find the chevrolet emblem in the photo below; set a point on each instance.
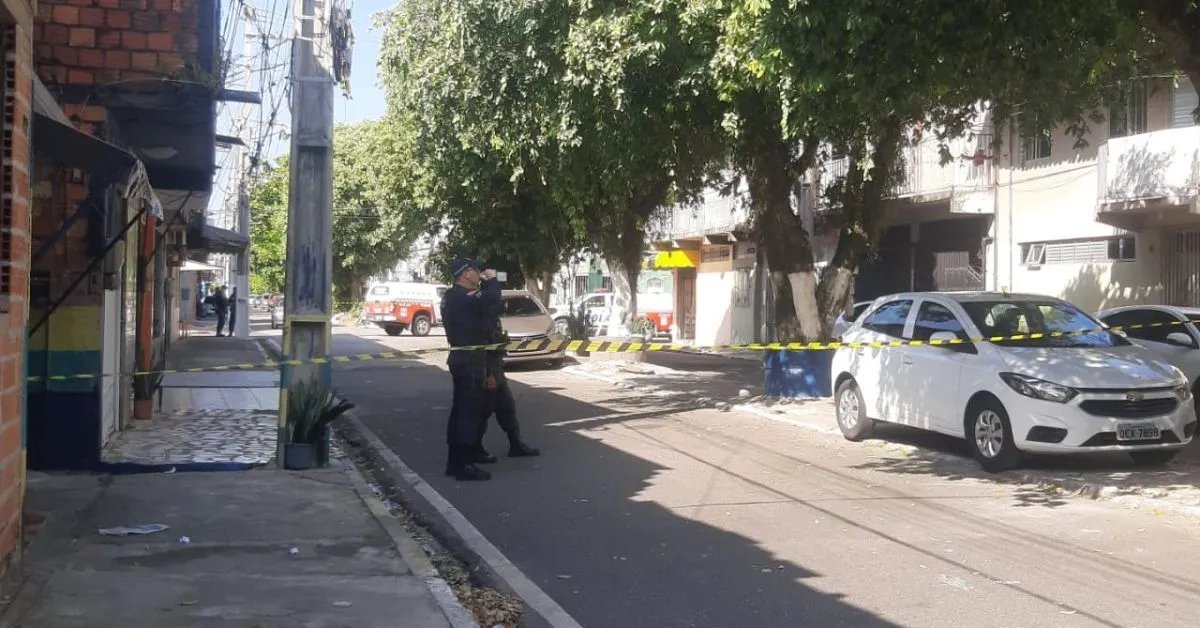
(1134, 396)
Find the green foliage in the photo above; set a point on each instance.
(310, 409)
(371, 198)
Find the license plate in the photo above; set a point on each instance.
(1134, 431)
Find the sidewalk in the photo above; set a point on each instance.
(260, 548)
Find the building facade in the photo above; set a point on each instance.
(1114, 222)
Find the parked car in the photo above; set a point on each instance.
(1169, 331)
(1058, 383)
(843, 323)
(524, 317)
(396, 306)
(277, 313)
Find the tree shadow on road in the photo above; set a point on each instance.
(578, 521)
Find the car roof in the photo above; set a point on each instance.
(1190, 312)
(968, 297)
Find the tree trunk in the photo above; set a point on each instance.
(862, 208)
(626, 265)
(539, 283)
(1177, 26)
(788, 249)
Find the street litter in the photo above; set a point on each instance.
(183, 540)
(138, 530)
(295, 551)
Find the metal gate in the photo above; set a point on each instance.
(956, 271)
(1181, 269)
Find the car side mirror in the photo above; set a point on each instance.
(945, 338)
(1120, 332)
(1180, 339)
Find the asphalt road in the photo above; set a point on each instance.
(644, 512)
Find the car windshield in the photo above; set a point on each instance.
(1062, 324)
(520, 306)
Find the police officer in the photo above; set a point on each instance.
(498, 397)
(464, 308)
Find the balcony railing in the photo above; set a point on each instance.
(1149, 167)
(924, 175)
(716, 213)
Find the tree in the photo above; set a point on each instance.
(368, 214)
(1176, 25)
(595, 111)
(858, 74)
(268, 229)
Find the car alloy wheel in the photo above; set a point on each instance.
(989, 434)
(848, 409)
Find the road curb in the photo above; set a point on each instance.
(412, 554)
(1132, 498)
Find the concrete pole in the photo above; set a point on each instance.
(242, 276)
(308, 287)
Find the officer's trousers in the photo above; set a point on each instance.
(500, 401)
(466, 408)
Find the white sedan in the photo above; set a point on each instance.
(1057, 383)
(1166, 330)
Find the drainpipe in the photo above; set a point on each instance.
(1012, 165)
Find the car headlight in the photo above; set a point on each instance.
(1038, 388)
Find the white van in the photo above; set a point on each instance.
(396, 306)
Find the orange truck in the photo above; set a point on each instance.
(396, 306)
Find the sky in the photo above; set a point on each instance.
(274, 18)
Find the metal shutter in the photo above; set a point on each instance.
(1183, 102)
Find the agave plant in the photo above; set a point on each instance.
(311, 408)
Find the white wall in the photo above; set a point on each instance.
(714, 300)
(110, 358)
(1055, 199)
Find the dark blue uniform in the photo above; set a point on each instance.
(500, 400)
(465, 316)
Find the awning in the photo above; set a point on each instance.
(676, 259)
(192, 265)
(205, 237)
(54, 135)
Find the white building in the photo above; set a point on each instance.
(1113, 223)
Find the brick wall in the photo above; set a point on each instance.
(101, 42)
(14, 277)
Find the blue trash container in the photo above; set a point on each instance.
(799, 374)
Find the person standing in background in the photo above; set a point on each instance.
(498, 396)
(220, 306)
(233, 310)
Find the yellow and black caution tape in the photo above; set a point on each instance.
(608, 346)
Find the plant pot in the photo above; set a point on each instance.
(143, 409)
(299, 456)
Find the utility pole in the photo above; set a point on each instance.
(308, 292)
(242, 198)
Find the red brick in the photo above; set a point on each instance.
(94, 113)
(117, 60)
(147, 22)
(168, 62)
(163, 5)
(52, 73)
(79, 77)
(91, 16)
(160, 41)
(172, 22)
(85, 37)
(91, 58)
(63, 14)
(134, 41)
(108, 4)
(144, 61)
(56, 34)
(66, 55)
(108, 39)
(119, 19)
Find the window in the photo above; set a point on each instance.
(1184, 103)
(606, 283)
(934, 317)
(1036, 146)
(581, 285)
(1061, 324)
(380, 291)
(1095, 251)
(889, 319)
(520, 306)
(1141, 321)
(1128, 116)
(858, 310)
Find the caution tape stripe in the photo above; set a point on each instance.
(606, 346)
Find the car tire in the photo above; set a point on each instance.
(851, 412)
(1153, 457)
(393, 330)
(421, 325)
(990, 436)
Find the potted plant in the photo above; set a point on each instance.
(311, 407)
(144, 387)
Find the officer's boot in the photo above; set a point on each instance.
(462, 469)
(481, 456)
(517, 447)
